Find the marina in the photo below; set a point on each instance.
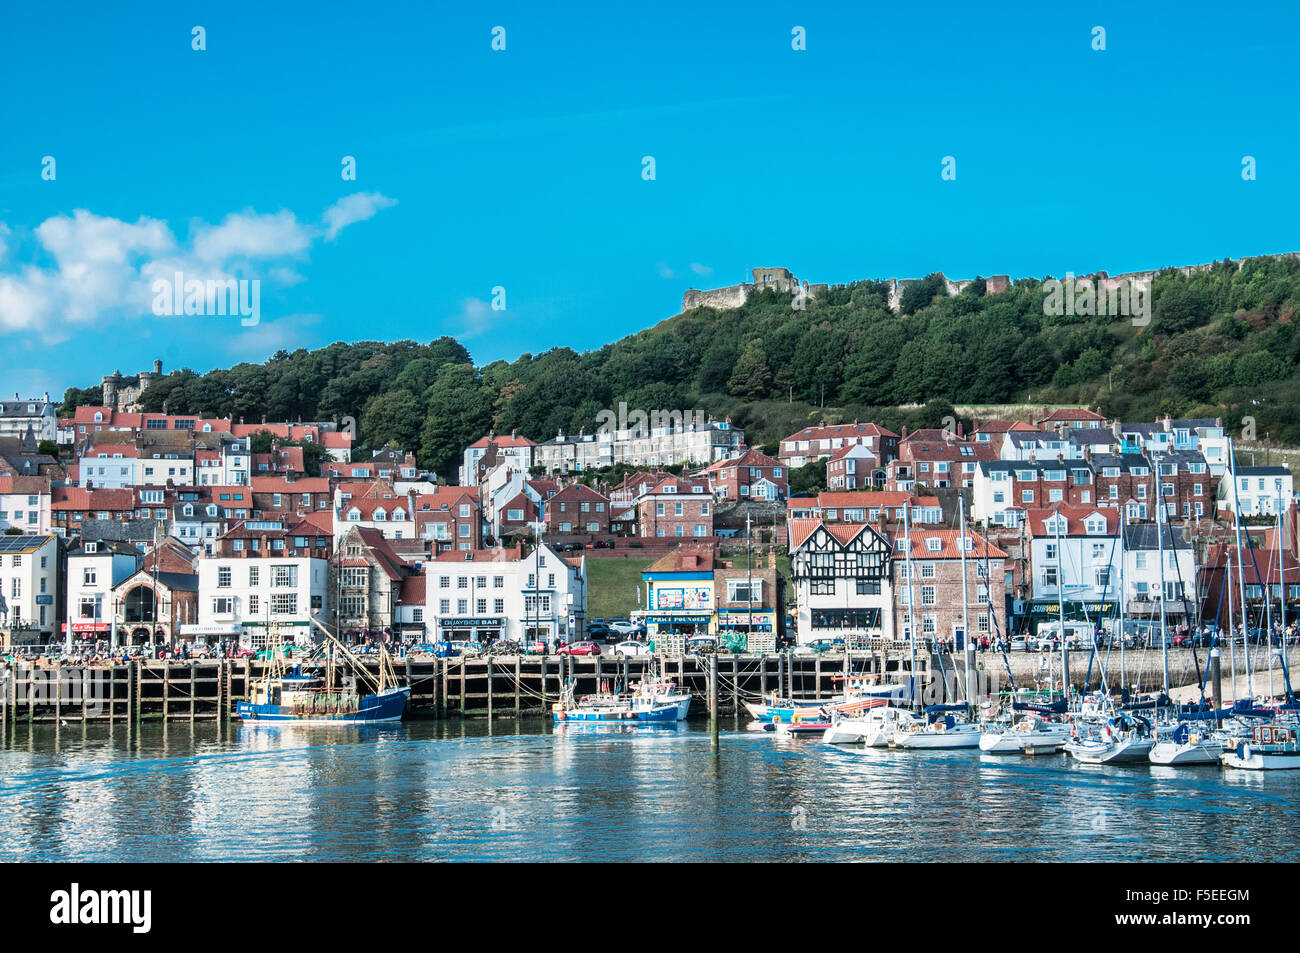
(474, 789)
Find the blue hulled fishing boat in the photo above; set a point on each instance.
(291, 697)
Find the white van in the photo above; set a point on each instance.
(1076, 634)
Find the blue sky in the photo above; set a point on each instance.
(522, 169)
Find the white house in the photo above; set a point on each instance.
(38, 413)
(1075, 557)
(489, 594)
(94, 569)
(375, 505)
(261, 590)
(29, 586)
(1144, 576)
(1256, 491)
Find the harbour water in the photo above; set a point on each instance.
(474, 790)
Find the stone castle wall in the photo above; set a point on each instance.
(782, 280)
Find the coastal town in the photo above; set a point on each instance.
(168, 535)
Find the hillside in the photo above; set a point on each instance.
(1221, 343)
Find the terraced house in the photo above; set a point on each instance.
(676, 508)
(577, 509)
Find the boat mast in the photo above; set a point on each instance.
(1232, 640)
(1123, 598)
(965, 607)
(1281, 575)
(911, 616)
(1241, 568)
(1160, 545)
(1060, 607)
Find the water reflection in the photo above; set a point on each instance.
(513, 790)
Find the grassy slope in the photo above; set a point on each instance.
(612, 586)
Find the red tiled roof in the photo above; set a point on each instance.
(980, 547)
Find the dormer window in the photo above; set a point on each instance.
(933, 544)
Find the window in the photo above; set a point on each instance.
(223, 577)
(927, 595)
(444, 606)
(284, 577)
(254, 605)
(88, 577)
(284, 603)
(868, 587)
(223, 605)
(498, 606)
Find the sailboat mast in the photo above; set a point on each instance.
(1160, 544)
(965, 606)
(1281, 575)
(1123, 599)
(1232, 639)
(1241, 568)
(1060, 607)
(911, 616)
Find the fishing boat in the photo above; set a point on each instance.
(654, 701)
(1031, 734)
(1122, 738)
(1270, 748)
(281, 696)
(663, 691)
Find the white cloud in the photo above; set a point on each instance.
(664, 270)
(353, 208)
(103, 268)
(702, 270)
(249, 235)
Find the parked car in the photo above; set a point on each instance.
(579, 648)
(702, 645)
(1020, 644)
(242, 652)
(423, 648)
(535, 647)
(466, 647)
(599, 630)
(623, 626)
(632, 648)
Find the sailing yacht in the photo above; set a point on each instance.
(1031, 734)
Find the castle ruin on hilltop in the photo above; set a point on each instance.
(781, 279)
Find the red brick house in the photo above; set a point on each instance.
(676, 508)
(936, 458)
(736, 478)
(577, 509)
(852, 467)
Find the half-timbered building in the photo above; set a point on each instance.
(842, 576)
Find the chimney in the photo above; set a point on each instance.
(960, 434)
(903, 436)
(157, 367)
(264, 418)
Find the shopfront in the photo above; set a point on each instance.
(471, 628)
